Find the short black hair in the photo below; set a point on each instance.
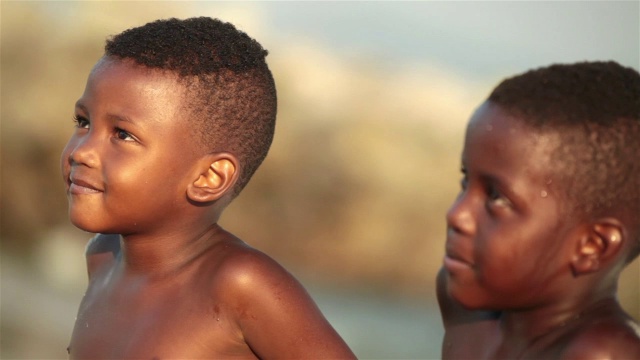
(595, 109)
(231, 91)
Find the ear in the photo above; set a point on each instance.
(598, 246)
(216, 178)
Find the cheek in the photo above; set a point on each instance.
(154, 181)
(501, 248)
(125, 175)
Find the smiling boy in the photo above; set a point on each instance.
(174, 120)
(548, 216)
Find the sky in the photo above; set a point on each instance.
(479, 39)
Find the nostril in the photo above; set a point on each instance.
(452, 228)
(83, 153)
(73, 157)
(450, 216)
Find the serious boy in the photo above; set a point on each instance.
(174, 120)
(548, 216)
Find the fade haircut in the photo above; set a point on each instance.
(231, 95)
(594, 107)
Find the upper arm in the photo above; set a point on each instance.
(276, 315)
(101, 249)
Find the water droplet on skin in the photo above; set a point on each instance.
(543, 193)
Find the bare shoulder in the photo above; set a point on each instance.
(274, 312)
(101, 250)
(610, 338)
(240, 258)
(238, 267)
(254, 282)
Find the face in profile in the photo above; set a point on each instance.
(505, 231)
(125, 165)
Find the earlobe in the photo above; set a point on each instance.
(598, 246)
(214, 180)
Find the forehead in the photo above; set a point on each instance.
(117, 67)
(499, 142)
(133, 87)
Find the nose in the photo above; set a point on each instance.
(81, 150)
(460, 216)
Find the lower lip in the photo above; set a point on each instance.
(452, 264)
(81, 190)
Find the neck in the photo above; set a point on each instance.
(166, 254)
(526, 329)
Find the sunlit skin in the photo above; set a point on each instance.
(174, 284)
(522, 277)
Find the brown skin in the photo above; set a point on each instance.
(522, 277)
(173, 284)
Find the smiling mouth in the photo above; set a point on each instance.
(80, 187)
(452, 262)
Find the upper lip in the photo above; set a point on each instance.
(451, 252)
(82, 181)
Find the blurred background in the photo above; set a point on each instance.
(373, 98)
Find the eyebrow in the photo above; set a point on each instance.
(112, 117)
(81, 106)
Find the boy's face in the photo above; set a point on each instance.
(506, 234)
(125, 166)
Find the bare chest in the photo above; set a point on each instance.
(484, 340)
(136, 320)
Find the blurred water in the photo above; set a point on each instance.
(37, 319)
(383, 327)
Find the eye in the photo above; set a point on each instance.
(496, 198)
(123, 135)
(81, 122)
(465, 180)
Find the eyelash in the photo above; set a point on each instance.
(495, 198)
(83, 123)
(493, 194)
(464, 181)
(80, 122)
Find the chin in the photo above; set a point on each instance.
(87, 223)
(471, 299)
(86, 226)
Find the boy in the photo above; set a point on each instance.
(174, 120)
(547, 218)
